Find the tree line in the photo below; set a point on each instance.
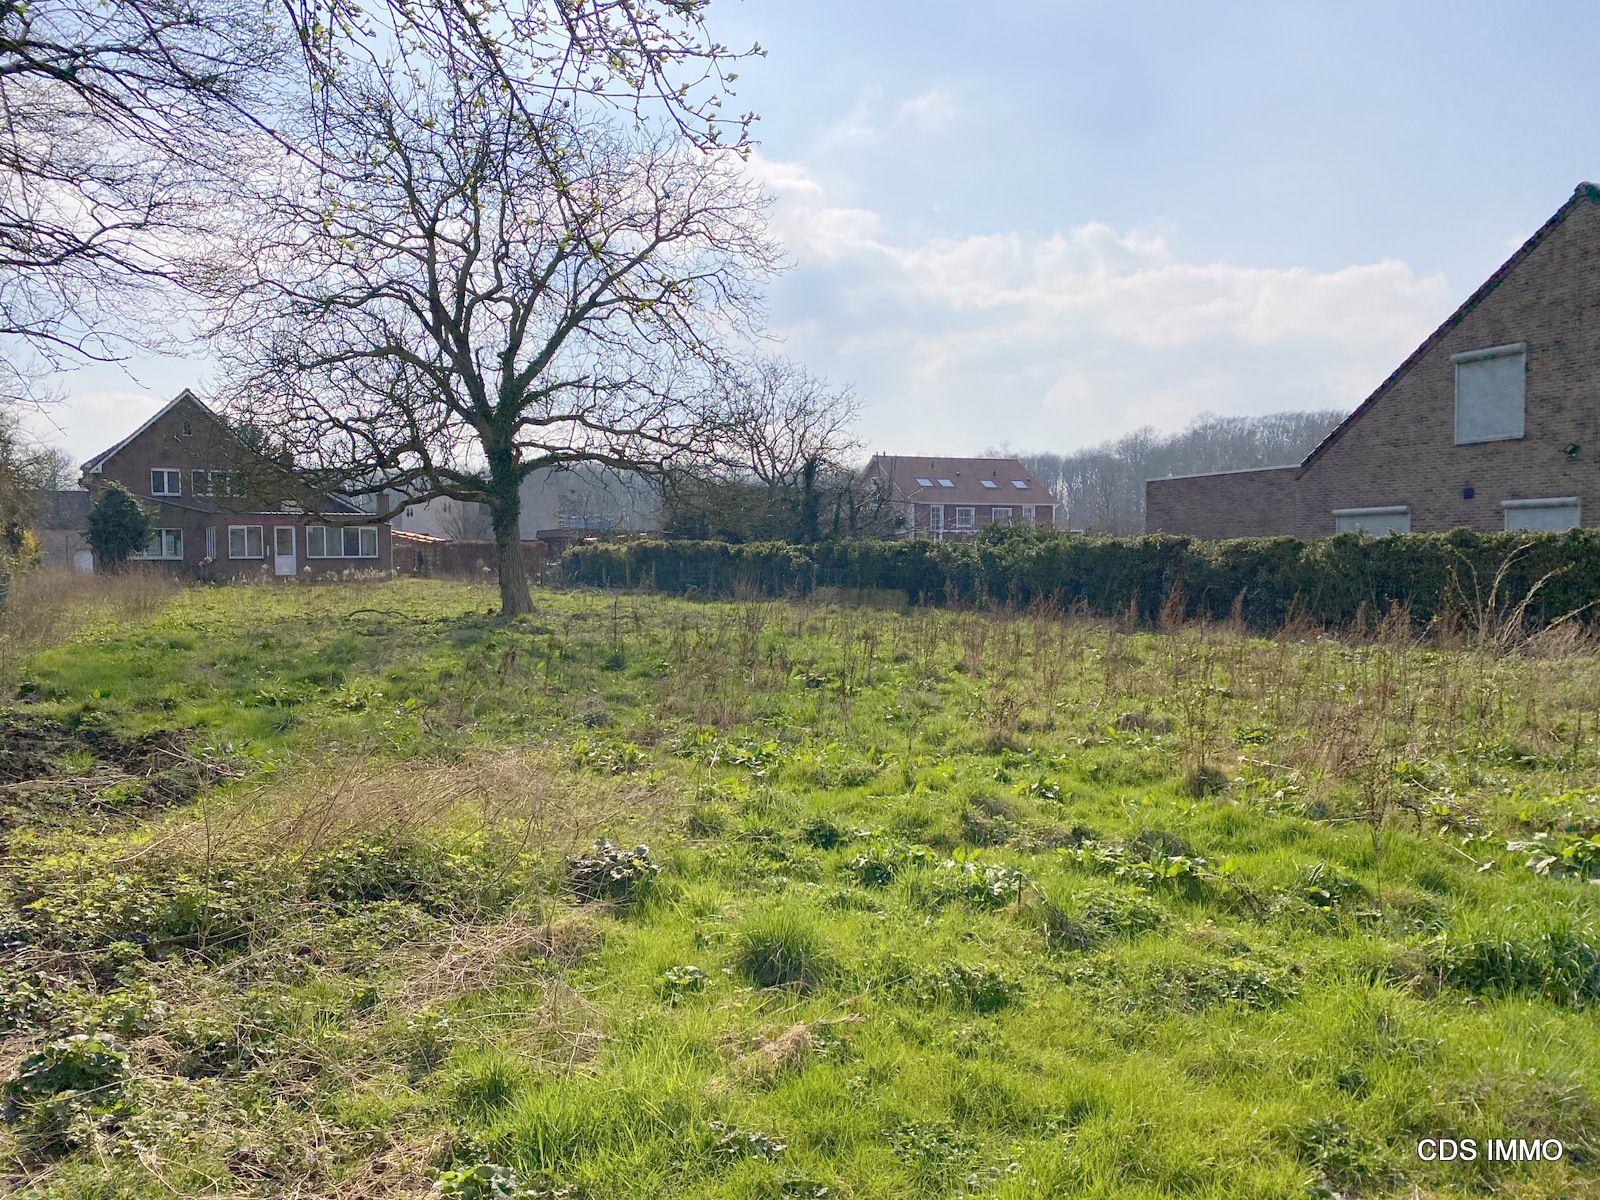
(1101, 489)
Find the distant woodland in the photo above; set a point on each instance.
(1102, 488)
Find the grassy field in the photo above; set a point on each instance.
(350, 891)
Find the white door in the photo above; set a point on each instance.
(283, 550)
(936, 520)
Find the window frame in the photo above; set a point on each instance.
(1508, 507)
(1375, 510)
(1001, 512)
(936, 526)
(972, 517)
(924, 481)
(363, 533)
(989, 485)
(261, 536)
(1468, 358)
(161, 536)
(170, 472)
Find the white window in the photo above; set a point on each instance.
(211, 543)
(166, 482)
(965, 516)
(946, 483)
(990, 484)
(246, 541)
(349, 541)
(999, 514)
(936, 519)
(1394, 518)
(1491, 390)
(1027, 513)
(1562, 512)
(163, 543)
(921, 482)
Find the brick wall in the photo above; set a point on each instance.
(1234, 504)
(1401, 448)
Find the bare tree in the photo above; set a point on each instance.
(463, 293)
(121, 123)
(780, 460)
(114, 123)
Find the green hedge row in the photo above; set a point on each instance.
(1333, 581)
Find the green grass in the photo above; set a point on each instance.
(929, 904)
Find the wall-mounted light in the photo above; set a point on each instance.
(1571, 450)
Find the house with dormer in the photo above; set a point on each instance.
(221, 509)
(956, 497)
(1492, 423)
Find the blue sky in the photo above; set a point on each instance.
(1042, 225)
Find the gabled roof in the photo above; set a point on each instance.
(970, 480)
(1584, 193)
(95, 464)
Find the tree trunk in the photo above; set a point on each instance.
(505, 486)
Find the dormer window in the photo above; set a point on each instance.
(164, 481)
(1491, 394)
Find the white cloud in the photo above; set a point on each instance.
(874, 118)
(1061, 340)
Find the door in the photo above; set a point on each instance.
(936, 520)
(283, 562)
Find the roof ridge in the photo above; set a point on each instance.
(1584, 191)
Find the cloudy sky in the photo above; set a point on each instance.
(1045, 224)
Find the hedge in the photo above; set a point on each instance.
(1334, 582)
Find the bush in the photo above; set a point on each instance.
(611, 873)
(779, 949)
(1335, 582)
(118, 526)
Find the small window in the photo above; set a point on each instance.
(999, 514)
(246, 541)
(1027, 513)
(1565, 512)
(1377, 522)
(1491, 400)
(1020, 484)
(317, 541)
(211, 542)
(188, 428)
(990, 484)
(946, 483)
(360, 541)
(163, 544)
(166, 482)
(921, 482)
(965, 516)
(200, 482)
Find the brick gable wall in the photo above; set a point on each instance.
(1401, 449)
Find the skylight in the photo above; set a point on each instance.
(945, 483)
(989, 483)
(921, 482)
(1020, 484)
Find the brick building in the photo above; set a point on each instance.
(1492, 423)
(221, 511)
(956, 497)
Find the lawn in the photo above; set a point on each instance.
(351, 891)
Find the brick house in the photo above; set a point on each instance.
(956, 497)
(1492, 423)
(221, 511)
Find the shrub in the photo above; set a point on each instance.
(779, 949)
(79, 1063)
(611, 873)
(982, 987)
(1334, 581)
(118, 526)
(1557, 958)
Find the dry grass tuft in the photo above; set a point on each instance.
(45, 608)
